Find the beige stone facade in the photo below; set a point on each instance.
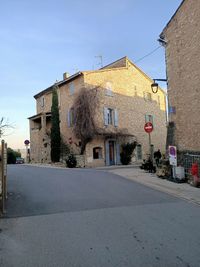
(182, 41)
(125, 102)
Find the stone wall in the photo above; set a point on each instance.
(182, 36)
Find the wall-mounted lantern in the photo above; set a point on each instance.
(154, 85)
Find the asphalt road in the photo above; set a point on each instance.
(92, 218)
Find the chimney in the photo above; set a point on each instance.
(65, 75)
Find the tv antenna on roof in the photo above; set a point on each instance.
(75, 70)
(101, 60)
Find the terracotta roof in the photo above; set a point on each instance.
(50, 88)
(39, 115)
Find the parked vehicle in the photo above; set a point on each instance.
(19, 160)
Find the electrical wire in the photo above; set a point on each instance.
(153, 51)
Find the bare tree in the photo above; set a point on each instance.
(4, 126)
(85, 121)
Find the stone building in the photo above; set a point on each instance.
(181, 38)
(125, 103)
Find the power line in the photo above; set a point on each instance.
(147, 55)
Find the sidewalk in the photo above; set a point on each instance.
(182, 190)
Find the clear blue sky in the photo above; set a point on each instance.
(39, 40)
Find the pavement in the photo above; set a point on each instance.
(180, 190)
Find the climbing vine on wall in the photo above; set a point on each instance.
(85, 106)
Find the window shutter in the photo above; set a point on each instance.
(118, 153)
(105, 116)
(71, 88)
(149, 118)
(107, 154)
(108, 92)
(68, 118)
(146, 118)
(116, 117)
(152, 118)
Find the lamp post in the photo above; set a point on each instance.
(154, 85)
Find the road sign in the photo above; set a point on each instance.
(26, 142)
(172, 155)
(148, 127)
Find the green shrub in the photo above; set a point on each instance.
(12, 155)
(71, 161)
(126, 153)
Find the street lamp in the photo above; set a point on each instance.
(154, 85)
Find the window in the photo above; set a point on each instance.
(97, 153)
(108, 91)
(42, 101)
(147, 96)
(149, 118)
(70, 117)
(135, 90)
(58, 97)
(159, 100)
(172, 110)
(139, 152)
(110, 116)
(71, 88)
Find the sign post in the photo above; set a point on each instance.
(27, 142)
(148, 127)
(3, 175)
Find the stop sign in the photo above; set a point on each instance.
(148, 127)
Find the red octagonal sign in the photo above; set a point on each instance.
(148, 127)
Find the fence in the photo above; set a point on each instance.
(189, 159)
(3, 176)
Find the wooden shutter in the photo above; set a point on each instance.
(68, 118)
(149, 118)
(71, 88)
(118, 153)
(105, 116)
(115, 118)
(107, 153)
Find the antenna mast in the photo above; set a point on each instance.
(101, 60)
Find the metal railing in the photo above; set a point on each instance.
(189, 159)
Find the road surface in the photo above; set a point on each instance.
(92, 218)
